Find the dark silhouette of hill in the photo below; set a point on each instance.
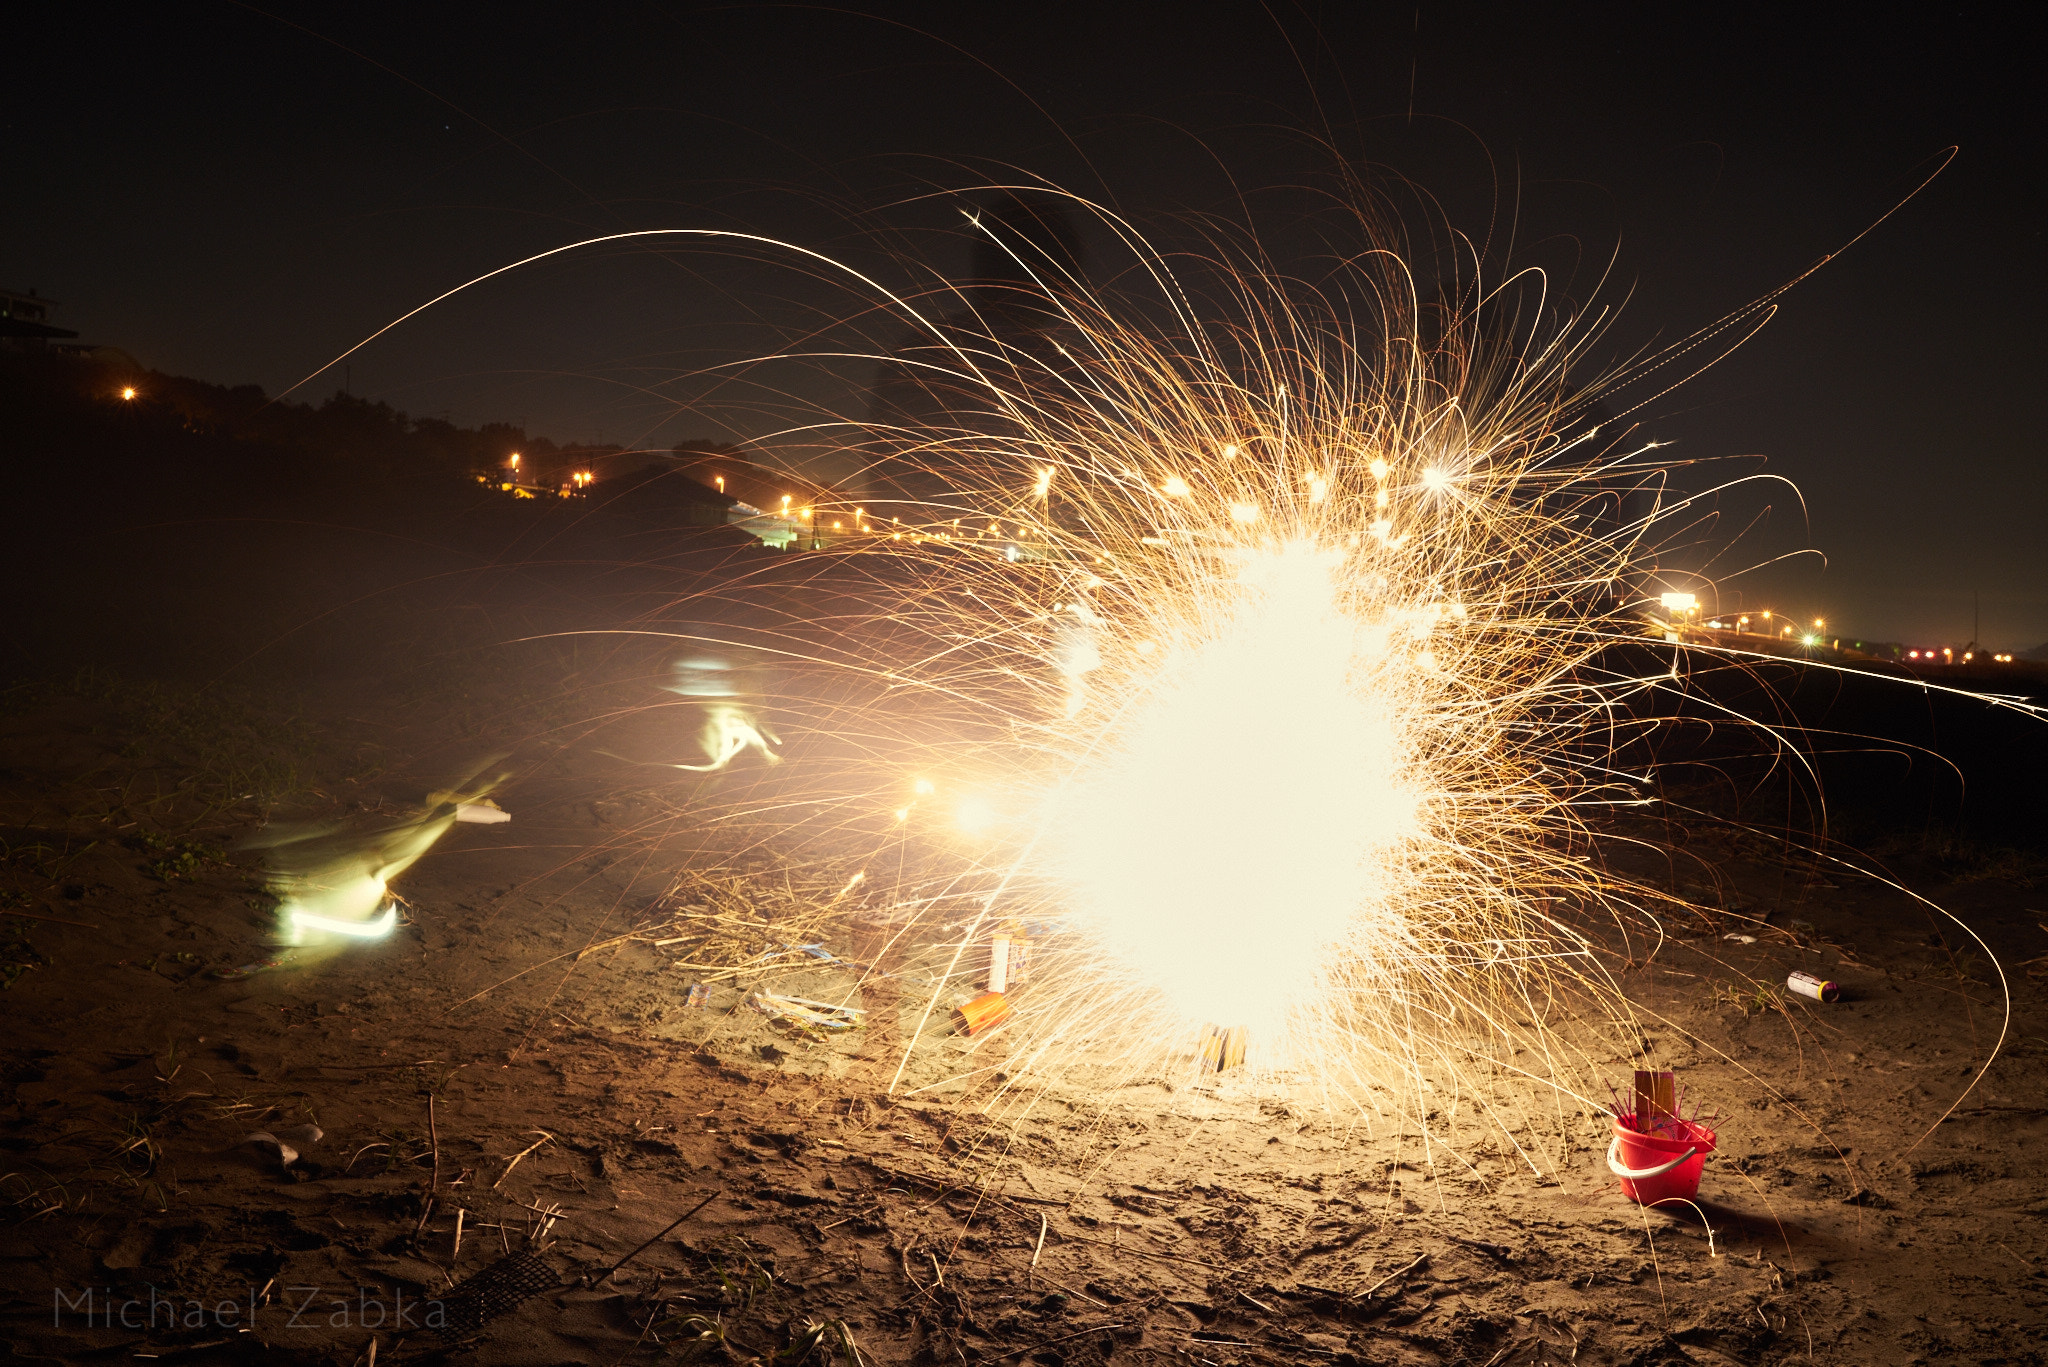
(1797, 746)
(198, 528)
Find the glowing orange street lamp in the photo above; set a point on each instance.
(128, 393)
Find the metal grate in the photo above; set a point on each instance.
(495, 1291)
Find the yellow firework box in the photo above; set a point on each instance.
(1222, 1047)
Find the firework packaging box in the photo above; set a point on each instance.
(700, 994)
(1222, 1048)
(1656, 1097)
(1009, 958)
(998, 979)
(985, 1012)
(1808, 985)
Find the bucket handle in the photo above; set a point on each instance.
(1640, 1174)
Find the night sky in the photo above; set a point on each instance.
(239, 193)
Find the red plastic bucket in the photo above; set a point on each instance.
(1664, 1165)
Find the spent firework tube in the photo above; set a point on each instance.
(985, 1012)
(1807, 985)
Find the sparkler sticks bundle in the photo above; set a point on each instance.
(1658, 1105)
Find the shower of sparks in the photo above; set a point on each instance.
(1248, 664)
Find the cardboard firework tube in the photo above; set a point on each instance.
(999, 964)
(1809, 985)
(1656, 1096)
(985, 1012)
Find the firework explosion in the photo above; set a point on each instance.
(1243, 650)
(1243, 670)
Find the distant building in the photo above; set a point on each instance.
(25, 321)
(697, 484)
(774, 507)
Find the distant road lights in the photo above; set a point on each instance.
(1680, 602)
(1742, 624)
(1820, 624)
(128, 393)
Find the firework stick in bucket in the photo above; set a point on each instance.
(1656, 1097)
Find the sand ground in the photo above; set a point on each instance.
(472, 1074)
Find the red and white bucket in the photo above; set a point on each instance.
(1662, 1164)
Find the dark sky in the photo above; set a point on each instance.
(239, 193)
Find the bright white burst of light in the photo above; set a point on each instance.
(1237, 836)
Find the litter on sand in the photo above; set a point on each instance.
(484, 813)
(1809, 985)
(985, 1012)
(251, 970)
(804, 1011)
(1740, 939)
(288, 1143)
(824, 955)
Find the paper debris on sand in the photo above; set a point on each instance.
(804, 1011)
(288, 1143)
